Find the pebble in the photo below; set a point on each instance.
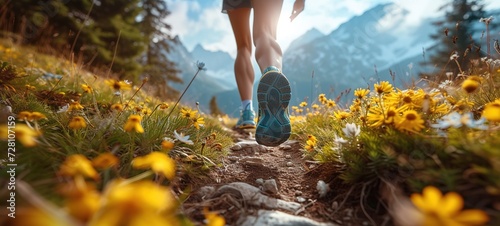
(270, 186)
(259, 181)
(298, 193)
(289, 164)
(286, 147)
(236, 147)
(300, 199)
(335, 205)
(288, 156)
(233, 158)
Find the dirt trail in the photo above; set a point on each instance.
(295, 177)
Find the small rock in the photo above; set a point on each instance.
(335, 205)
(322, 188)
(289, 164)
(286, 147)
(276, 218)
(298, 193)
(236, 147)
(233, 158)
(300, 199)
(252, 161)
(259, 181)
(312, 166)
(288, 156)
(270, 186)
(348, 212)
(366, 223)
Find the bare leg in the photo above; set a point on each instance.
(243, 69)
(266, 16)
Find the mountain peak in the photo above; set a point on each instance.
(198, 47)
(307, 37)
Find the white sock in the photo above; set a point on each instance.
(246, 104)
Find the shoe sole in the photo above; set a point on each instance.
(273, 95)
(249, 126)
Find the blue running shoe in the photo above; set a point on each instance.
(273, 95)
(247, 120)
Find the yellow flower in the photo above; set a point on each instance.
(24, 115)
(37, 116)
(146, 111)
(167, 144)
(118, 85)
(213, 219)
(361, 93)
(75, 105)
(23, 133)
(105, 160)
(38, 217)
(77, 122)
(410, 121)
(492, 111)
(310, 145)
(163, 106)
(159, 162)
(197, 122)
(341, 115)
(315, 106)
(303, 104)
(446, 210)
(383, 87)
(84, 204)
(330, 103)
(312, 138)
(376, 117)
(86, 88)
(117, 107)
(136, 204)
(133, 124)
(30, 87)
(471, 83)
(78, 165)
(322, 98)
(187, 113)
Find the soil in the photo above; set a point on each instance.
(295, 176)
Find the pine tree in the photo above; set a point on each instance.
(456, 48)
(156, 66)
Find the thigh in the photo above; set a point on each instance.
(240, 22)
(266, 16)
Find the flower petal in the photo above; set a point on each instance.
(472, 217)
(451, 203)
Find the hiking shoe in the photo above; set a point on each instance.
(247, 120)
(273, 95)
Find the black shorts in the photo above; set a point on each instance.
(235, 4)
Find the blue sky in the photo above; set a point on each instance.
(201, 21)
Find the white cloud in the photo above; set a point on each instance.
(212, 29)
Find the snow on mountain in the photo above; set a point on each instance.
(310, 35)
(352, 55)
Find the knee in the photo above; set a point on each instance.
(245, 49)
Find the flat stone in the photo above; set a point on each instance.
(248, 145)
(252, 161)
(253, 196)
(277, 218)
(270, 186)
(289, 164)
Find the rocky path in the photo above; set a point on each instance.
(258, 185)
